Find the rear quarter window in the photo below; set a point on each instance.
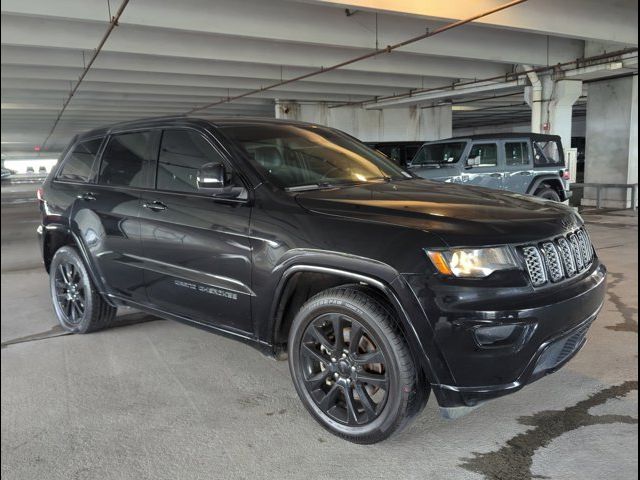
(547, 154)
(78, 165)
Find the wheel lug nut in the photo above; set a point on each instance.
(353, 369)
(336, 375)
(333, 360)
(344, 355)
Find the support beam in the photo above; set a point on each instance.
(586, 19)
(551, 103)
(398, 124)
(611, 154)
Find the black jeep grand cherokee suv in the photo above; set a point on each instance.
(381, 287)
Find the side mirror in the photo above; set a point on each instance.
(213, 179)
(211, 176)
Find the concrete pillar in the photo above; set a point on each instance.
(611, 153)
(437, 122)
(392, 124)
(551, 104)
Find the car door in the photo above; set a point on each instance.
(482, 166)
(197, 255)
(106, 214)
(518, 167)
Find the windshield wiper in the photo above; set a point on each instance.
(312, 186)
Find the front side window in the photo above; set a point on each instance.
(182, 154)
(439, 154)
(293, 156)
(127, 160)
(516, 153)
(484, 155)
(78, 165)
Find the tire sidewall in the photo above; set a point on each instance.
(397, 398)
(63, 255)
(548, 194)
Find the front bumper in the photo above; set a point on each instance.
(553, 321)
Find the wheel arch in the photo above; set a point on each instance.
(376, 277)
(55, 236)
(551, 180)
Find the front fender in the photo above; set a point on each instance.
(380, 276)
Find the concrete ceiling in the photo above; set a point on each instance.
(166, 57)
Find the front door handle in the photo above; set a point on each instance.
(525, 173)
(155, 206)
(87, 196)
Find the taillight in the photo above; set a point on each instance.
(40, 194)
(566, 175)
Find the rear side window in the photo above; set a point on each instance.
(547, 154)
(182, 154)
(78, 165)
(127, 160)
(516, 153)
(484, 154)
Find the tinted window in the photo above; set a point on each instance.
(439, 153)
(127, 160)
(182, 154)
(311, 157)
(547, 154)
(516, 153)
(484, 155)
(78, 165)
(411, 152)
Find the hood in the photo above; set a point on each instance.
(460, 215)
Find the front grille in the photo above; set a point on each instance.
(552, 259)
(534, 264)
(558, 259)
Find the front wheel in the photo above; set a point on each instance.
(78, 305)
(351, 366)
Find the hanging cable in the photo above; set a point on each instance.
(113, 23)
(374, 53)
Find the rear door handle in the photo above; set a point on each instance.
(496, 175)
(525, 173)
(88, 196)
(155, 206)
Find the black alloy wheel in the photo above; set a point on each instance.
(351, 365)
(344, 370)
(78, 305)
(69, 291)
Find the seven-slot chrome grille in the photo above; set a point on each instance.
(559, 259)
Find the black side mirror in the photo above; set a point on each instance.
(213, 179)
(211, 176)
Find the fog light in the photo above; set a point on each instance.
(497, 335)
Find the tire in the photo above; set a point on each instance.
(547, 193)
(331, 375)
(78, 305)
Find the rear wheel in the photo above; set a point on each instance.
(548, 193)
(351, 366)
(78, 305)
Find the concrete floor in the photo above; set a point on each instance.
(157, 399)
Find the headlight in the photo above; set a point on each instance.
(472, 262)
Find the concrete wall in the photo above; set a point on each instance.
(392, 124)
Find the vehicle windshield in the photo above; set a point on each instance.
(439, 153)
(297, 158)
